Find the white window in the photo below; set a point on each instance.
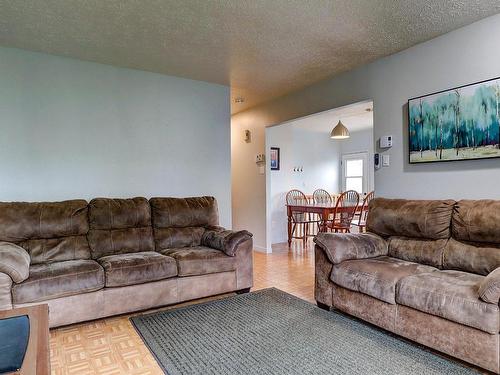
(355, 172)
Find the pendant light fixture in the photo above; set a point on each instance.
(339, 131)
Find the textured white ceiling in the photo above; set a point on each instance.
(262, 49)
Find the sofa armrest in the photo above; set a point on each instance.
(225, 240)
(489, 289)
(347, 246)
(5, 292)
(14, 261)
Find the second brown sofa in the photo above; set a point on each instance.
(426, 270)
(115, 256)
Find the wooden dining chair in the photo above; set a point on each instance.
(321, 196)
(300, 220)
(345, 208)
(363, 213)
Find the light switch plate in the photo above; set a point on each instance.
(386, 160)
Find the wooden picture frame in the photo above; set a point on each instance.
(461, 123)
(275, 158)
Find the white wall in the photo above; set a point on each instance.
(75, 129)
(463, 56)
(319, 157)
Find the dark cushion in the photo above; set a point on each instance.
(225, 240)
(418, 250)
(200, 260)
(348, 246)
(119, 226)
(410, 218)
(178, 237)
(59, 279)
(477, 221)
(376, 277)
(14, 261)
(181, 222)
(48, 231)
(489, 290)
(57, 249)
(452, 295)
(137, 268)
(475, 257)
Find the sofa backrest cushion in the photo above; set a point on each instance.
(418, 250)
(119, 226)
(48, 231)
(181, 222)
(477, 221)
(475, 257)
(429, 219)
(475, 246)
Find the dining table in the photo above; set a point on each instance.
(324, 210)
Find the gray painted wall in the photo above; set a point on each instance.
(463, 56)
(75, 129)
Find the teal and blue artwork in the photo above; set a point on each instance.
(457, 124)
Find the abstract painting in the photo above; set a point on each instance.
(457, 124)
(275, 159)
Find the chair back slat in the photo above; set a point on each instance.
(296, 197)
(364, 207)
(348, 201)
(321, 196)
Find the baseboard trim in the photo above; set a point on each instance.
(260, 249)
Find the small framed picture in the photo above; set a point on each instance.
(275, 158)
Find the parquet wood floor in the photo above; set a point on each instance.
(111, 346)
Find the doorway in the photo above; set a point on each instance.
(310, 160)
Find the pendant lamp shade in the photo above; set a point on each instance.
(339, 131)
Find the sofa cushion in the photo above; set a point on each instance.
(225, 240)
(477, 221)
(57, 249)
(340, 247)
(59, 279)
(137, 268)
(418, 250)
(489, 290)
(119, 226)
(475, 257)
(200, 260)
(376, 277)
(48, 231)
(452, 295)
(181, 222)
(410, 218)
(178, 237)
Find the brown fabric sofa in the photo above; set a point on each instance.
(113, 256)
(426, 270)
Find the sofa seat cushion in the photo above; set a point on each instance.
(200, 260)
(59, 279)
(137, 268)
(376, 277)
(452, 295)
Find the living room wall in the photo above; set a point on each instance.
(76, 129)
(463, 56)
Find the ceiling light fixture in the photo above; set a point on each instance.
(339, 131)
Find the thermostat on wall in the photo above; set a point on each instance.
(386, 141)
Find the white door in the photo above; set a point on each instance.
(355, 172)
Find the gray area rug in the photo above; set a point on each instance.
(272, 332)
